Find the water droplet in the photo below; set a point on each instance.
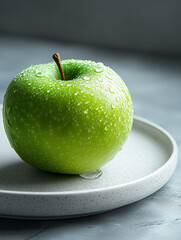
(8, 110)
(91, 175)
(38, 73)
(106, 128)
(109, 77)
(113, 106)
(86, 78)
(98, 70)
(9, 123)
(112, 90)
(111, 73)
(48, 91)
(86, 111)
(99, 79)
(75, 93)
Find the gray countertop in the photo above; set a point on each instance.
(155, 86)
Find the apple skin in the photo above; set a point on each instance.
(71, 126)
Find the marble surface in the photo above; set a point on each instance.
(155, 85)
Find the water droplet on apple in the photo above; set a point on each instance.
(38, 73)
(98, 70)
(109, 77)
(99, 79)
(112, 90)
(113, 106)
(91, 175)
(111, 73)
(8, 110)
(9, 123)
(86, 78)
(86, 111)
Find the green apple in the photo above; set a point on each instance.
(68, 126)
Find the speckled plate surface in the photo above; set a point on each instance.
(145, 164)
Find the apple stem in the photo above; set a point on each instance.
(56, 58)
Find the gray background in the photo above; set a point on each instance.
(141, 41)
(141, 25)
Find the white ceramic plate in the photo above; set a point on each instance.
(145, 164)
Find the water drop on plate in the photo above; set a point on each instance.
(91, 175)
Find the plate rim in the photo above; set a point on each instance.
(171, 160)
